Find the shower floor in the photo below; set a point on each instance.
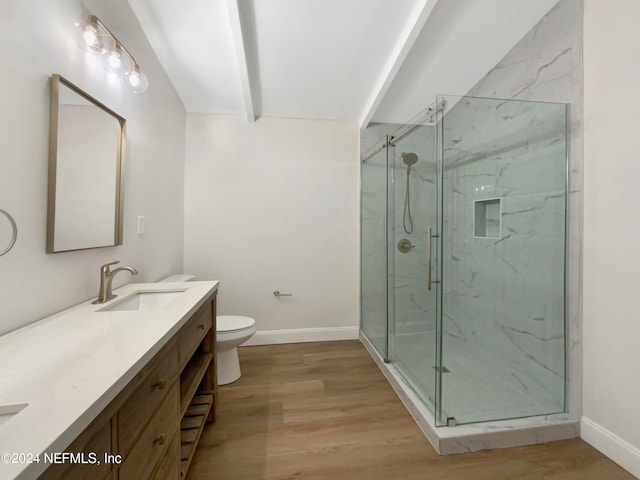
(472, 390)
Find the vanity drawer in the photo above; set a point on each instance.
(169, 466)
(99, 445)
(153, 442)
(194, 332)
(145, 400)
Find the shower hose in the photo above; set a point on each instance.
(406, 215)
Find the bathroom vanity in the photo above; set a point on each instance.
(114, 391)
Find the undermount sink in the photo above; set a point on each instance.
(8, 411)
(152, 300)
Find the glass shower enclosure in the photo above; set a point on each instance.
(463, 256)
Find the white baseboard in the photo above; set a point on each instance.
(618, 450)
(302, 335)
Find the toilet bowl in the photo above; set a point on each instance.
(231, 331)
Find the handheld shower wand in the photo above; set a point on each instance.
(409, 158)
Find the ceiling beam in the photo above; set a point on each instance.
(407, 38)
(241, 56)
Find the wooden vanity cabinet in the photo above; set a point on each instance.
(198, 386)
(155, 423)
(95, 439)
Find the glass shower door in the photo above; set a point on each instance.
(412, 305)
(503, 245)
(373, 247)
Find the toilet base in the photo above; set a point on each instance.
(227, 366)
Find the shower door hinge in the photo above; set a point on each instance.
(451, 422)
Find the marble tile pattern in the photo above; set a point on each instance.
(546, 65)
(415, 307)
(478, 436)
(503, 297)
(412, 304)
(517, 157)
(383, 189)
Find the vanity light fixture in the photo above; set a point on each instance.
(96, 38)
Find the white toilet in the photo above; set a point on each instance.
(231, 331)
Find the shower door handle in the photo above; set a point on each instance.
(430, 236)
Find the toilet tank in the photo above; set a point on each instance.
(178, 278)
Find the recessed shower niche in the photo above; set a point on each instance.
(486, 218)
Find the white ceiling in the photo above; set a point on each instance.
(329, 59)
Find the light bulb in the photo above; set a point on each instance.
(137, 80)
(89, 36)
(134, 78)
(115, 61)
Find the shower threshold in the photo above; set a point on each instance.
(477, 436)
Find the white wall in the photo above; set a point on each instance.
(35, 41)
(611, 261)
(273, 205)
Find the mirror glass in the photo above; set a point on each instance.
(86, 161)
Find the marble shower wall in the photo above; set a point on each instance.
(414, 307)
(546, 66)
(503, 249)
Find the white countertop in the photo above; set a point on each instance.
(68, 367)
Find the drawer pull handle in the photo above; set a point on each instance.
(160, 384)
(160, 440)
(201, 326)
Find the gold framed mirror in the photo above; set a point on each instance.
(86, 171)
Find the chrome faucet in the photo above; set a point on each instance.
(106, 277)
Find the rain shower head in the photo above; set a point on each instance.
(409, 158)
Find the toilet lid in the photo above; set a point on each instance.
(229, 323)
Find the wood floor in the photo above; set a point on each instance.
(324, 411)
